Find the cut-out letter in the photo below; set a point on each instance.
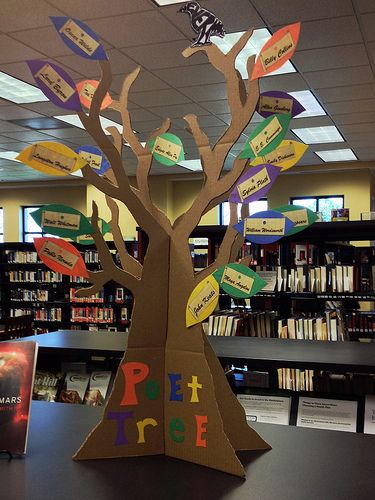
(194, 385)
(201, 420)
(174, 378)
(141, 424)
(134, 373)
(176, 425)
(152, 389)
(120, 417)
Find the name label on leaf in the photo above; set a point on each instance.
(253, 184)
(52, 159)
(299, 217)
(55, 83)
(87, 91)
(280, 154)
(264, 226)
(267, 135)
(61, 220)
(237, 280)
(79, 37)
(275, 104)
(95, 161)
(59, 255)
(273, 54)
(202, 301)
(167, 149)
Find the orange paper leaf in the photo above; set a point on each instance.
(60, 256)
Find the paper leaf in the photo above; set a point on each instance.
(55, 84)
(62, 220)
(239, 281)
(254, 184)
(203, 22)
(202, 301)
(87, 239)
(286, 155)
(86, 90)
(264, 227)
(266, 136)
(94, 157)
(302, 217)
(79, 37)
(276, 102)
(60, 256)
(277, 51)
(51, 158)
(167, 149)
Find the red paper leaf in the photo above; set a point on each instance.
(60, 256)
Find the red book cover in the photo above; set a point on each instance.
(17, 369)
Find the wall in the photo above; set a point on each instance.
(14, 196)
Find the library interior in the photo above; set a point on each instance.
(187, 260)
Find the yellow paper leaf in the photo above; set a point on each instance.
(202, 301)
(51, 158)
(286, 155)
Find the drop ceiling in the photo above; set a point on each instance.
(335, 60)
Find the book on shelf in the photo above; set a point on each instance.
(74, 389)
(295, 379)
(47, 385)
(17, 369)
(98, 388)
(245, 323)
(327, 327)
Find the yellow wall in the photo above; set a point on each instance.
(14, 196)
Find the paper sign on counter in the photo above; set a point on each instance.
(266, 409)
(332, 414)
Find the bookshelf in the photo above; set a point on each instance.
(28, 287)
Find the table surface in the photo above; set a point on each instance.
(304, 464)
(256, 352)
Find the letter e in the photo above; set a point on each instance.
(174, 378)
(176, 425)
(201, 420)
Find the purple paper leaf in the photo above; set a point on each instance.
(277, 102)
(254, 184)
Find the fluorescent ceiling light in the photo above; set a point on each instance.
(309, 102)
(337, 155)
(317, 135)
(76, 122)
(161, 3)
(9, 155)
(194, 165)
(253, 46)
(15, 90)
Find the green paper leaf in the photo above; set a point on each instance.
(62, 220)
(239, 281)
(87, 239)
(301, 216)
(167, 149)
(266, 136)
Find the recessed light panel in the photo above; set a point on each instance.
(318, 135)
(253, 47)
(309, 102)
(337, 155)
(17, 91)
(9, 155)
(162, 3)
(76, 122)
(194, 165)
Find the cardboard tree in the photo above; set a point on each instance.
(170, 394)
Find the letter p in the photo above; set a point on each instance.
(134, 373)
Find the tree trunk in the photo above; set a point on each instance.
(196, 417)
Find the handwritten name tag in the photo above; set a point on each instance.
(52, 159)
(270, 226)
(61, 220)
(167, 149)
(202, 301)
(271, 56)
(280, 154)
(237, 280)
(275, 104)
(299, 217)
(87, 91)
(95, 161)
(55, 83)
(79, 37)
(268, 134)
(58, 254)
(253, 184)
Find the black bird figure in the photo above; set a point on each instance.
(203, 22)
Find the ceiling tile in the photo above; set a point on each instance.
(331, 57)
(371, 48)
(45, 40)
(179, 110)
(360, 139)
(19, 70)
(350, 118)
(144, 82)
(195, 75)
(21, 15)
(327, 146)
(347, 93)
(341, 77)
(358, 128)
(29, 136)
(354, 108)
(160, 97)
(16, 112)
(216, 107)
(276, 11)
(365, 6)
(368, 22)
(66, 133)
(6, 126)
(13, 51)
(365, 154)
(291, 82)
(164, 55)
(47, 108)
(146, 127)
(313, 121)
(12, 146)
(204, 121)
(136, 29)
(200, 93)
(96, 8)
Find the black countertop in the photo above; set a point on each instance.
(304, 464)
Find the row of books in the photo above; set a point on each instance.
(39, 314)
(360, 321)
(358, 384)
(21, 257)
(97, 297)
(328, 327)
(38, 276)
(295, 379)
(248, 324)
(22, 294)
(93, 314)
(73, 387)
(326, 279)
(90, 256)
